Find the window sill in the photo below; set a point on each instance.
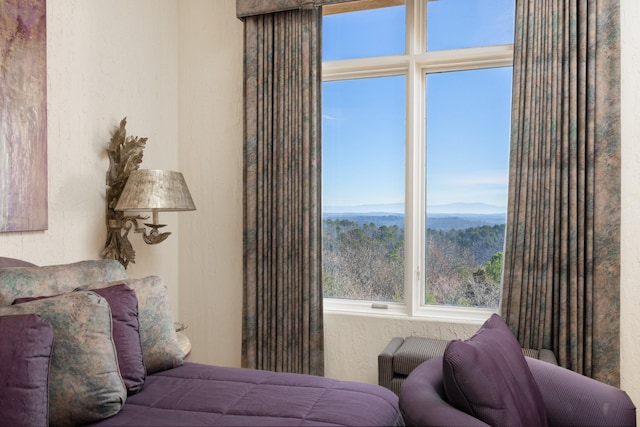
(444, 314)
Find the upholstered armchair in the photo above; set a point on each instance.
(403, 355)
(569, 398)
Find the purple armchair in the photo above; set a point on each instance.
(569, 399)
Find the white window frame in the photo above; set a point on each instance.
(415, 65)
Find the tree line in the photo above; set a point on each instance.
(366, 261)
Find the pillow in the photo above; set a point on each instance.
(25, 352)
(18, 282)
(126, 334)
(488, 377)
(126, 337)
(160, 348)
(84, 381)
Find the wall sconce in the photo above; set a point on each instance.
(130, 189)
(155, 191)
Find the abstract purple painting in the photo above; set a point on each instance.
(23, 115)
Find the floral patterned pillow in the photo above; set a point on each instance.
(84, 381)
(20, 282)
(160, 348)
(125, 332)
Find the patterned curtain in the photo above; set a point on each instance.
(561, 283)
(282, 308)
(246, 8)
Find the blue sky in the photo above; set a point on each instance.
(467, 112)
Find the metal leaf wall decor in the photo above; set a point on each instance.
(125, 155)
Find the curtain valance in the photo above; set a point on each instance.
(246, 8)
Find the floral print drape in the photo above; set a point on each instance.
(561, 281)
(282, 307)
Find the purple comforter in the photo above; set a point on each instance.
(196, 394)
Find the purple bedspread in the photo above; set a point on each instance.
(196, 394)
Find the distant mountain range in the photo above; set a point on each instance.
(458, 216)
(398, 208)
(434, 221)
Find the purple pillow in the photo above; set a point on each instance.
(126, 334)
(123, 303)
(27, 340)
(488, 377)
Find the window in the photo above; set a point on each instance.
(416, 114)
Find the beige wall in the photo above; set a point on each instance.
(630, 247)
(174, 67)
(211, 154)
(106, 60)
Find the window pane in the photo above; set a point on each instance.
(454, 24)
(365, 33)
(363, 155)
(468, 126)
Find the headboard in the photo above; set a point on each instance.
(13, 262)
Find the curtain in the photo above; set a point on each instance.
(561, 280)
(282, 307)
(246, 8)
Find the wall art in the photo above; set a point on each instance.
(23, 115)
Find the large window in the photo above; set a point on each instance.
(416, 112)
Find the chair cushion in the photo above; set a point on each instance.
(84, 380)
(414, 351)
(488, 377)
(27, 340)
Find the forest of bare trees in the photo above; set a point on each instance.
(366, 261)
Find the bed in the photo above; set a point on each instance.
(191, 393)
(195, 394)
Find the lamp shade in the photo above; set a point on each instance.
(157, 190)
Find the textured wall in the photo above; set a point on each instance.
(630, 250)
(106, 59)
(211, 159)
(353, 342)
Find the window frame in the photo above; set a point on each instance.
(415, 64)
